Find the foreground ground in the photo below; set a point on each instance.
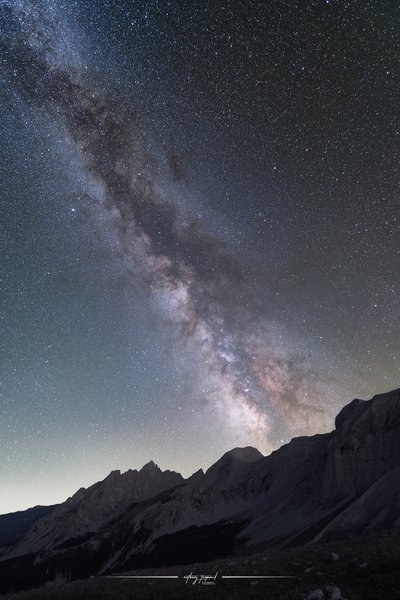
(363, 569)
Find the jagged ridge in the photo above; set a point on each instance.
(330, 485)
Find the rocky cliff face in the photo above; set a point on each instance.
(378, 508)
(313, 480)
(366, 445)
(314, 488)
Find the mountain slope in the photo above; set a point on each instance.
(89, 509)
(14, 526)
(322, 487)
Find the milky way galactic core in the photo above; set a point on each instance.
(199, 230)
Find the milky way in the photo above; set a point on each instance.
(257, 381)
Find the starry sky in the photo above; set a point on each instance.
(199, 232)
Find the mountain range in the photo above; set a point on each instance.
(314, 489)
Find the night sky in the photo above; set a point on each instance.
(199, 235)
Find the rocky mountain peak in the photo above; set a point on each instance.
(89, 509)
(246, 454)
(382, 412)
(196, 477)
(229, 469)
(349, 412)
(340, 483)
(150, 466)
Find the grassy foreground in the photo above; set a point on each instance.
(363, 569)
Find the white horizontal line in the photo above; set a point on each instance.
(142, 576)
(258, 577)
(222, 577)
